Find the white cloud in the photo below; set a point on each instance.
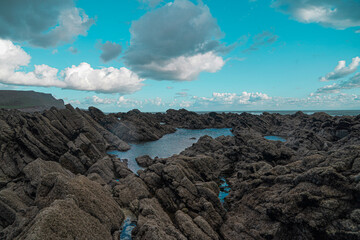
(245, 98)
(177, 41)
(337, 14)
(261, 101)
(98, 100)
(185, 68)
(82, 77)
(353, 82)
(341, 70)
(13, 57)
(42, 23)
(154, 101)
(111, 80)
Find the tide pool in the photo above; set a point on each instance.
(168, 145)
(275, 138)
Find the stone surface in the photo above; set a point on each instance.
(57, 181)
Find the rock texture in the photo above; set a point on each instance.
(39, 156)
(57, 182)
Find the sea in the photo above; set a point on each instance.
(287, 112)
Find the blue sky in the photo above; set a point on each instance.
(211, 55)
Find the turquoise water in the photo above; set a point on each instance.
(168, 145)
(127, 228)
(224, 190)
(275, 138)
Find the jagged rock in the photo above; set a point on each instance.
(63, 219)
(90, 196)
(154, 223)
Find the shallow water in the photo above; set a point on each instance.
(275, 138)
(168, 145)
(127, 228)
(224, 190)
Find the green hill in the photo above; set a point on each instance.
(28, 101)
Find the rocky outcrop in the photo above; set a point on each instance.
(39, 156)
(132, 126)
(58, 182)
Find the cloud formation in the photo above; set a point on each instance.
(107, 80)
(42, 23)
(82, 77)
(341, 70)
(353, 82)
(12, 57)
(261, 39)
(233, 98)
(339, 14)
(177, 41)
(110, 51)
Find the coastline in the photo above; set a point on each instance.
(55, 164)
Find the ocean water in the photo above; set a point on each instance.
(286, 112)
(168, 145)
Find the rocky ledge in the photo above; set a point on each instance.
(57, 181)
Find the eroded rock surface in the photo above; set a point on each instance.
(57, 182)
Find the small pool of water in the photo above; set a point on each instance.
(127, 228)
(168, 145)
(275, 138)
(224, 190)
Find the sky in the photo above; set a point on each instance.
(208, 55)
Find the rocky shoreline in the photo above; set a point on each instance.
(58, 182)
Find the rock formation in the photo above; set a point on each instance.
(58, 182)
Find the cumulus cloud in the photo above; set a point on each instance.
(341, 70)
(42, 23)
(183, 68)
(177, 41)
(110, 51)
(110, 80)
(12, 57)
(353, 82)
(261, 39)
(339, 14)
(81, 77)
